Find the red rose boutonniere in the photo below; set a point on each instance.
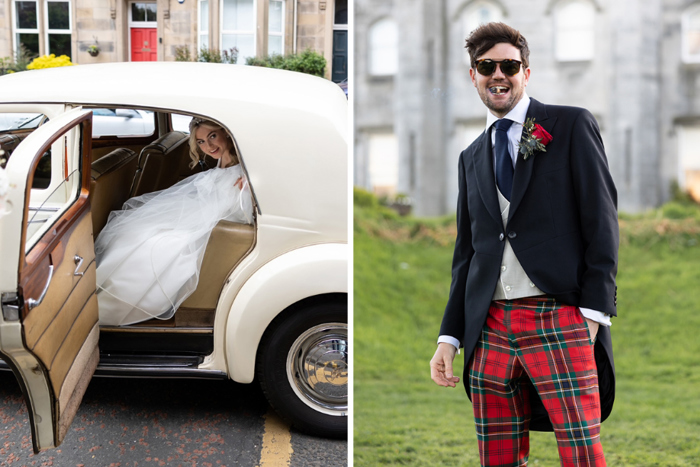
(534, 139)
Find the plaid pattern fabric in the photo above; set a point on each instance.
(548, 343)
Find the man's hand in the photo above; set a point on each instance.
(592, 328)
(441, 365)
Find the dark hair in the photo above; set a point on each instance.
(483, 38)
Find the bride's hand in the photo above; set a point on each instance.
(239, 183)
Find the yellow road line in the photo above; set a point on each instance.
(277, 442)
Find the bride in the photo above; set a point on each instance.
(149, 254)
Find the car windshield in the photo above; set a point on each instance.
(17, 121)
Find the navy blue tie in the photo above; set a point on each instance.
(504, 163)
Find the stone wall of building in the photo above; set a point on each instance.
(179, 28)
(94, 23)
(107, 22)
(311, 24)
(5, 25)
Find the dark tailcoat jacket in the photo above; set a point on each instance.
(562, 226)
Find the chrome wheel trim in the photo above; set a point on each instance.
(317, 368)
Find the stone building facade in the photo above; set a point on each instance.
(135, 30)
(634, 64)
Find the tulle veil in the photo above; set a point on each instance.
(149, 254)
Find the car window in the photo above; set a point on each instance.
(47, 202)
(181, 122)
(122, 122)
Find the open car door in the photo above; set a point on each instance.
(48, 327)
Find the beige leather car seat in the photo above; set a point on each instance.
(109, 188)
(229, 243)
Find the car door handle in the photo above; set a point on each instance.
(78, 262)
(31, 303)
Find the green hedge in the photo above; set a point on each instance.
(308, 61)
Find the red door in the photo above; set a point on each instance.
(144, 45)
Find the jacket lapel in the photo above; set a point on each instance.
(523, 168)
(485, 178)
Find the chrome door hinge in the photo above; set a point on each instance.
(10, 306)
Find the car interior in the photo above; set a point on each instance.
(128, 163)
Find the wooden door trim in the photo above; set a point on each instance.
(28, 262)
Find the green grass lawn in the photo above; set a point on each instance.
(402, 276)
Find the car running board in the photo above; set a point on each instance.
(155, 366)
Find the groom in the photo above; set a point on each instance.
(533, 274)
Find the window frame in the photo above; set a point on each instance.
(200, 31)
(387, 168)
(235, 32)
(16, 30)
(48, 31)
(372, 49)
(471, 10)
(559, 53)
(282, 32)
(686, 56)
(125, 140)
(140, 24)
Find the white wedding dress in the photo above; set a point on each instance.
(149, 254)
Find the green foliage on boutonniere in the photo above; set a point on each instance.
(534, 139)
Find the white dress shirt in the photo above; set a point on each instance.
(517, 115)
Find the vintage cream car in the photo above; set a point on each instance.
(271, 303)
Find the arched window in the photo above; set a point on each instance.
(575, 30)
(690, 22)
(476, 14)
(384, 48)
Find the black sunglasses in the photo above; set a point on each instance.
(487, 67)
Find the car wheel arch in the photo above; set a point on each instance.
(306, 275)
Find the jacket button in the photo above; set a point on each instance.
(501, 237)
(512, 235)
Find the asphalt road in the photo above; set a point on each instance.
(146, 422)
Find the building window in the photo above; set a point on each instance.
(45, 34)
(339, 64)
(341, 12)
(144, 13)
(275, 38)
(203, 25)
(384, 48)
(58, 28)
(383, 163)
(27, 25)
(575, 30)
(474, 16)
(238, 27)
(690, 23)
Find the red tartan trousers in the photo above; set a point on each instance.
(548, 343)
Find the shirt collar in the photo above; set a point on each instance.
(517, 114)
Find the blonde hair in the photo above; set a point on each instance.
(196, 154)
